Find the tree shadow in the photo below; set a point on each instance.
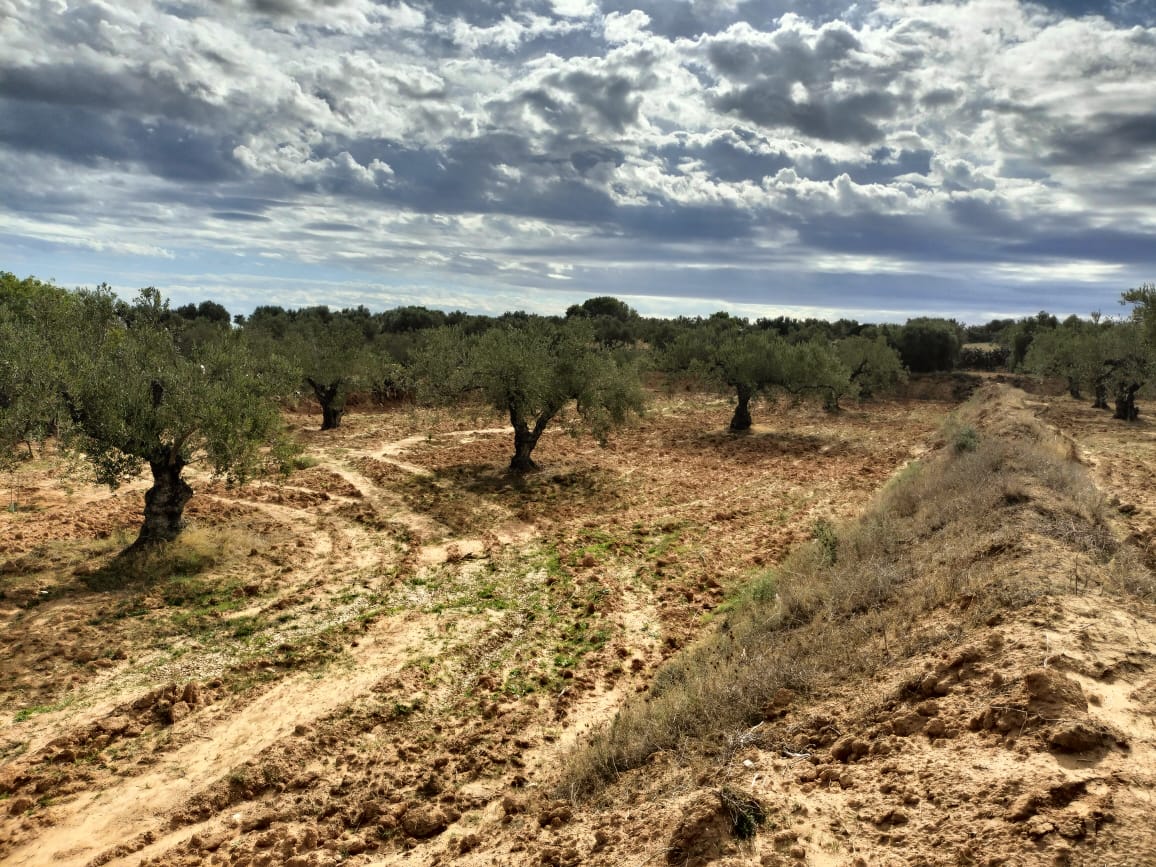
(143, 565)
(468, 497)
(765, 442)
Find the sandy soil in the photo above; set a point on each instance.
(382, 659)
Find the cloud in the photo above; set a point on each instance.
(510, 143)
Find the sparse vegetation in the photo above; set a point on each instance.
(851, 601)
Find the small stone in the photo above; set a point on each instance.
(423, 821)
(114, 725)
(178, 712)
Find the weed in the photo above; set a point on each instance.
(29, 712)
(966, 439)
(823, 532)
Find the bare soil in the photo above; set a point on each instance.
(386, 657)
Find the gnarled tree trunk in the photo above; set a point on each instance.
(741, 420)
(164, 503)
(525, 438)
(326, 394)
(1126, 409)
(1101, 399)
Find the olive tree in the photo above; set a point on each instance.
(873, 365)
(29, 362)
(533, 370)
(730, 356)
(327, 350)
(130, 396)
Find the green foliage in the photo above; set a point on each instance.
(117, 385)
(984, 356)
(532, 369)
(966, 439)
(29, 362)
(132, 395)
(1112, 358)
(328, 352)
(726, 354)
(1019, 337)
(927, 345)
(874, 365)
(1143, 301)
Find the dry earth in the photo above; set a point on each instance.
(385, 659)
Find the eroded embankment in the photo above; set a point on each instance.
(964, 675)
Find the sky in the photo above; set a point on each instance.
(870, 160)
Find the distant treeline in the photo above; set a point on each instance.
(126, 384)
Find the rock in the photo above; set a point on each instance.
(191, 694)
(258, 821)
(702, 834)
(20, 806)
(555, 815)
(1078, 736)
(927, 708)
(937, 728)
(114, 725)
(1052, 695)
(849, 749)
(889, 818)
(908, 724)
(423, 820)
(931, 686)
(209, 841)
(178, 712)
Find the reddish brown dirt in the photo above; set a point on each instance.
(382, 659)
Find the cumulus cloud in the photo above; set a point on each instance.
(644, 145)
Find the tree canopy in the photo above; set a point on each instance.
(533, 370)
(727, 354)
(123, 392)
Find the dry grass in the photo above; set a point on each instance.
(999, 516)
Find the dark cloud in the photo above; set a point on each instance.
(1104, 245)
(764, 76)
(91, 137)
(730, 155)
(331, 227)
(611, 100)
(840, 119)
(1126, 12)
(1104, 139)
(69, 85)
(239, 217)
(684, 19)
(285, 8)
(882, 165)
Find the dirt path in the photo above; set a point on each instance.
(101, 820)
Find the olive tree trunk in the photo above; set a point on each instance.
(326, 394)
(741, 420)
(525, 438)
(164, 503)
(1126, 409)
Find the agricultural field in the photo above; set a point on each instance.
(402, 654)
